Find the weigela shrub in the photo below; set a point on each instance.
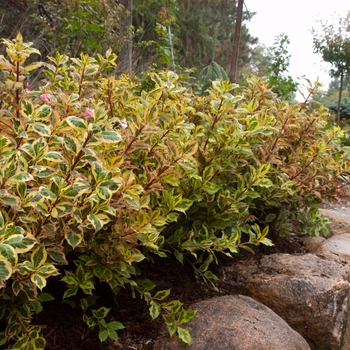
(96, 176)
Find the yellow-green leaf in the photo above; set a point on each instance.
(53, 156)
(76, 123)
(71, 144)
(115, 325)
(42, 129)
(46, 193)
(73, 238)
(154, 309)
(11, 201)
(183, 205)
(184, 335)
(21, 243)
(6, 66)
(32, 67)
(22, 176)
(109, 137)
(170, 324)
(5, 269)
(42, 171)
(162, 294)
(103, 334)
(95, 222)
(103, 192)
(8, 252)
(39, 256)
(38, 280)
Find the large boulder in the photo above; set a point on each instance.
(235, 322)
(311, 294)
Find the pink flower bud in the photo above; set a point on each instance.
(44, 98)
(89, 113)
(48, 98)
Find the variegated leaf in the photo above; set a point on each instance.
(53, 156)
(47, 270)
(5, 269)
(21, 243)
(72, 144)
(95, 221)
(38, 280)
(74, 238)
(8, 252)
(43, 171)
(11, 200)
(76, 123)
(21, 176)
(39, 256)
(109, 137)
(42, 129)
(46, 193)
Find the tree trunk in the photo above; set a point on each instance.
(235, 53)
(125, 54)
(129, 45)
(339, 97)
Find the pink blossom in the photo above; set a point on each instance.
(89, 113)
(26, 85)
(44, 98)
(48, 98)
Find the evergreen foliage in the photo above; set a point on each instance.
(281, 84)
(201, 33)
(68, 26)
(210, 73)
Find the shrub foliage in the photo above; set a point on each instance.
(97, 175)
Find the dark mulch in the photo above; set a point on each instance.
(65, 329)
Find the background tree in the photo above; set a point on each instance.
(70, 26)
(15, 16)
(333, 43)
(207, 34)
(280, 82)
(126, 54)
(203, 31)
(164, 33)
(237, 39)
(155, 23)
(259, 61)
(330, 98)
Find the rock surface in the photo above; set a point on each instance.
(235, 322)
(311, 294)
(338, 240)
(339, 244)
(313, 244)
(339, 221)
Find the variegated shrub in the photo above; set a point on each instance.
(97, 175)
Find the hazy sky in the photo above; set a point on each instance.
(296, 19)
